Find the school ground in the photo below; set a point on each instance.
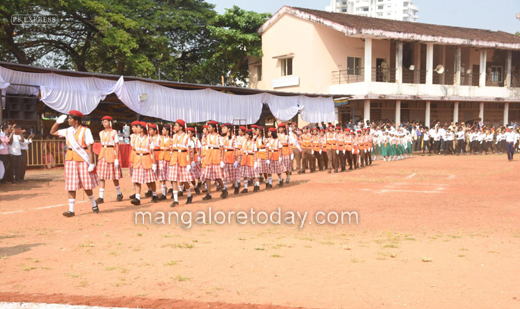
(433, 232)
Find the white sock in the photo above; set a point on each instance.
(206, 186)
(257, 184)
(154, 193)
(237, 184)
(71, 204)
(118, 189)
(225, 185)
(181, 188)
(101, 192)
(288, 177)
(176, 196)
(218, 185)
(245, 185)
(270, 180)
(92, 202)
(138, 196)
(188, 192)
(163, 190)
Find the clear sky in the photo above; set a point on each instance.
(483, 14)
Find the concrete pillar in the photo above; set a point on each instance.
(336, 113)
(427, 114)
(483, 60)
(506, 113)
(417, 64)
(368, 60)
(507, 82)
(366, 113)
(399, 62)
(429, 63)
(456, 69)
(397, 112)
(456, 112)
(442, 79)
(481, 111)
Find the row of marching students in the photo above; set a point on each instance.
(334, 149)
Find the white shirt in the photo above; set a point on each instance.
(14, 148)
(460, 135)
(426, 136)
(25, 144)
(510, 138)
(89, 140)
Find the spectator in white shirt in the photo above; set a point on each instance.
(24, 147)
(510, 142)
(15, 162)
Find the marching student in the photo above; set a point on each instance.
(355, 149)
(79, 166)
(108, 162)
(306, 144)
(275, 157)
(510, 142)
(385, 146)
(332, 147)
(145, 166)
(488, 142)
(196, 166)
(340, 135)
(262, 160)
(450, 136)
(315, 148)
(285, 140)
(152, 133)
(361, 145)
(230, 149)
(181, 162)
(248, 162)
(461, 144)
(295, 147)
(132, 152)
(323, 148)
(214, 161)
(348, 148)
(408, 143)
(163, 159)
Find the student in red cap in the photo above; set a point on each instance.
(262, 160)
(152, 129)
(196, 169)
(231, 172)
(306, 143)
(316, 148)
(295, 142)
(214, 160)
(79, 160)
(341, 148)
(247, 164)
(332, 145)
(348, 147)
(240, 139)
(181, 162)
(163, 159)
(144, 164)
(132, 152)
(108, 162)
(275, 158)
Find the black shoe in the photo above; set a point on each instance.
(256, 189)
(99, 200)
(174, 204)
(280, 183)
(244, 191)
(135, 201)
(119, 197)
(224, 193)
(170, 190)
(336, 170)
(350, 168)
(95, 209)
(218, 189)
(267, 185)
(69, 214)
(189, 200)
(162, 197)
(148, 193)
(197, 190)
(204, 190)
(329, 171)
(237, 190)
(287, 180)
(155, 198)
(180, 193)
(132, 196)
(207, 197)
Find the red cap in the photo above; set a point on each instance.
(359, 131)
(293, 124)
(76, 113)
(142, 123)
(152, 126)
(107, 118)
(135, 123)
(260, 128)
(347, 129)
(181, 122)
(322, 130)
(205, 126)
(281, 125)
(353, 133)
(254, 126)
(191, 129)
(243, 128)
(331, 125)
(315, 128)
(212, 122)
(272, 129)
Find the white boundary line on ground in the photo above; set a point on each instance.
(10, 212)
(20, 305)
(410, 176)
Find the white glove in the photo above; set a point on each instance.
(292, 156)
(372, 149)
(154, 167)
(222, 164)
(199, 159)
(280, 159)
(116, 162)
(193, 164)
(61, 119)
(337, 152)
(268, 162)
(188, 167)
(344, 151)
(321, 151)
(91, 166)
(235, 165)
(352, 151)
(312, 152)
(365, 150)
(255, 165)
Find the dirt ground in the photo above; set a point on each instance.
(433, 232)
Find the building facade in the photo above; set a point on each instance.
(392, 70)
(403, 10)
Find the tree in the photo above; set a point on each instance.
(237, 37)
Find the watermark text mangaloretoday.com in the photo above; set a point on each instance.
(186, 219)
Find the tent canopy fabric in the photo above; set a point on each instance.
(64, 93)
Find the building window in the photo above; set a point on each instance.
(496, 74)
(365, 9)
(380, 7)
(344, 10)
(259, 72)
(287, 66)
(353, 66)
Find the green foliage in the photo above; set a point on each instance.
(181, 40)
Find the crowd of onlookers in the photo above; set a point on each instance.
(14, 146)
